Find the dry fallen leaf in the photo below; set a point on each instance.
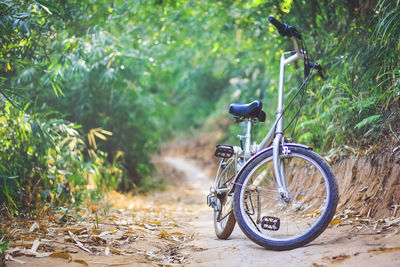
(78, 243)
(384, 250)
(84, 263)
(10, 258)
(34, 226)
(27, 252)
(21, 243)
(35, 245)
(177, 233)
(113, 250)
(61, 255)
(97, 240)
(335, 221)
(164, 234)
(79, 230)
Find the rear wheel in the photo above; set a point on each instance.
(280, 222)
(224, 219)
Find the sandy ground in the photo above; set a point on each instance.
(185, 204)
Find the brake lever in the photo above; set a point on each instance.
(318, 67)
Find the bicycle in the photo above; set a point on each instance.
(282, 194)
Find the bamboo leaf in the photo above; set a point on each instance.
(99, 135)
(367, 121)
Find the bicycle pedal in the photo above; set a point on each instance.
(270, 223)
(224, 151)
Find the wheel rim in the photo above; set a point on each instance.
(308, 187)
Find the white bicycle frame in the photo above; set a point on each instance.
(276, 129)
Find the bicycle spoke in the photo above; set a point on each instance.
(254, 223)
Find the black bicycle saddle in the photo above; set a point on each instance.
(251, 110)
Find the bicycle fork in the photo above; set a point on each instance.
(279, 167)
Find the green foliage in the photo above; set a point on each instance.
(23, 162)
(3, 247)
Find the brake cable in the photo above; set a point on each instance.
(297, 115)
(302, 87)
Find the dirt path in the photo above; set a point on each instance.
(175, 228)
(340, 246)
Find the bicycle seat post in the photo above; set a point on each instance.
(247, 145)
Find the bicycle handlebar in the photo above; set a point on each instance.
(285, 29)
(290, 31)
(277, 24)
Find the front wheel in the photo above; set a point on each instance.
(277, 221)
(224, 218)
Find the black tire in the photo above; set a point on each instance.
(279, 224)
(224, 218)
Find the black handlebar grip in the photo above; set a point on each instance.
(281, 27)
(285, 29)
